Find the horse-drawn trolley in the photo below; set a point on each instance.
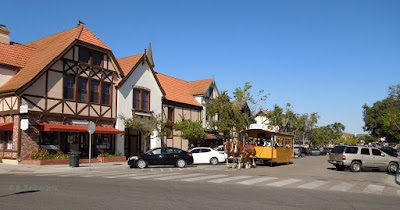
(271, 147)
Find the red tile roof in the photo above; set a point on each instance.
(15, 54)
(177, 90)
(127, 63)
(46, 50)
(199, 87)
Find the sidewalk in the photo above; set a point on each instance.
(22, 169)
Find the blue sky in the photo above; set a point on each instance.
(329, 57)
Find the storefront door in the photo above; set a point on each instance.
(133, 145)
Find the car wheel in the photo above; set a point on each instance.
(213, 161)
(355, 166)
(180, 163)
(340, 168)
(392, 167)
(141, 164)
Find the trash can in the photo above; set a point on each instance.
(74, 158)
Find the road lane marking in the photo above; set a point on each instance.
(127, 175)
(222, 180)
(374, 189)
(204, 178)
(283, 182)
(101, 174)
(155, 175)
(180, 176)
(258, 180)
(344, 186)
(313, 184)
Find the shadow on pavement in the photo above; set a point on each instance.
(20, 193)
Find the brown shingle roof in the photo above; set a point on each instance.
(127, 63)
(199, 87)
(177, 90)
(15, 54)
(46, 50)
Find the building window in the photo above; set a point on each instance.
(69, 83)
(82, 89)
(103, 141)
(105, 93)
(94, 91)
(171, 114)
(50, 138)
(170, 133)
(141, 99)
(90, 56)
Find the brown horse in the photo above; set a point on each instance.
(236, 151)
(249, 153)
(228, 151)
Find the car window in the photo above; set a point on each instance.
(195, 151)
(365, 151)
(169, 150)
(352, 150)
(156, 151)
(176, 150)
(205, 150)
(338, 149)
(376, 152)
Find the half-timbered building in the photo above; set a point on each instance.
(50, 87)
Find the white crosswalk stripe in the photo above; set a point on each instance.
(398, 192)
(374, 189)
(344, 186)
(204, 178)
(313, 184)
(123, 175)
(222, 180)
(283, 182)
(258, 180)
(101, 174)
(155, 175)
(180, 176)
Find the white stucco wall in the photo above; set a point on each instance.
(5, 75)
(141, 76)
(264, 120)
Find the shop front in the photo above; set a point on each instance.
(6, 140)
(66, 138)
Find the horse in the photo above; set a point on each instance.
(236, 151)
(228, 151)
(249, 153)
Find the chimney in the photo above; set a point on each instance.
(4, 38)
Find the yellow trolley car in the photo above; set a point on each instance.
(271, 147)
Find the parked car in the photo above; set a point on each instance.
(221, 148)
(207, 155)
(314, 152)
(323, 151)
(161, 156)
(390, 151)
(360, 157)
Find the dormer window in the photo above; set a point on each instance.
(90, 56)
(141, 99)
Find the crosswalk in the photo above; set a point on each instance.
(266, 181)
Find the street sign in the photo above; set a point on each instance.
(23, 109)
(24, 124)
(91, 127)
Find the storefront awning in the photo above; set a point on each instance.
(78, 128)
(6, 126)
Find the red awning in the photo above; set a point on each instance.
(6, 126)
(78, 128)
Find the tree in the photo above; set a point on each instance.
(236, 115)
(328, 134)
(383, 118)
(192, 131)
(145, 126)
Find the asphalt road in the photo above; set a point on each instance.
(114, 188)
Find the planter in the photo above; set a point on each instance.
(45, 162)
(112, 159)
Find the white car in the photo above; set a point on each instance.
(207, 155)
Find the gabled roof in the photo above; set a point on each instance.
(127, 63)
(177, 90)
(199, 87)
(15, 54)
(46, 50)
